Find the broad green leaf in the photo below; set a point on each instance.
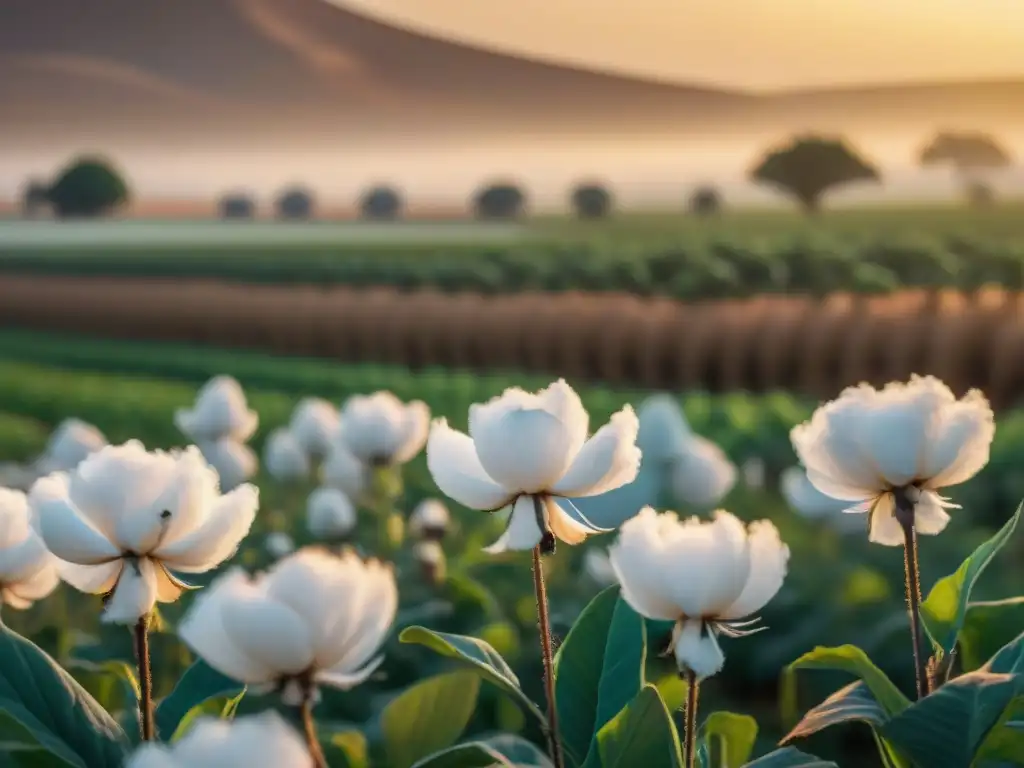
(988, 627)
(729, 738)
(1008, 660)
(198, 685)
(579, 664)
(788, 757)
(847, 658)
(642, 734)
(1004, 744)
(62, 718)
(112, 683)
(851, 704)
(477, 654)
(944, 610)
(473, 754)
(347, 749)
(622, 671)
(428, 717)
(519, 751)
(946, 728)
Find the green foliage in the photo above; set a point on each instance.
(500, 201)
(853, 660)
(198, 685)
(381, 204)
(591, 201)
(727, 739)
(641, 734)
(87, 187)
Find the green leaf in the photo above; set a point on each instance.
(347, 749)
(473, 754)
(428, 717)
(578, 667)
(1004, 744)
(480, 656)
(851, 704)
(642, 734)
(847, 658)
(622, 671)
(105, 679)
(989, 626)
(729, 738)
(198, 685)
(519, 751)
(944, 610)
(946, 728)
(788, 757)
(61, 717)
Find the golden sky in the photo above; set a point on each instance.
(743, 43)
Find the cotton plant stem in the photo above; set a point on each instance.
(690, 721)
(905, 517)
(309, 730)
(146, 727)
(544, 624)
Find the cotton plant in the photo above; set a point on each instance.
(28, 571)
(235, 463)
(313, 423)
(888, 454)
(709, 578)
(330, 516)
(284, 457)
(71, 442)
(126, 522)
(314, 619)
(429, 520)
(530, 453)
(221, 423)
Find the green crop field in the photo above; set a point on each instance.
(839, 589)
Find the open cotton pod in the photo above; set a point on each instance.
(235, 463)
(429, 520)
(28, 572)
(430, 557)
(380, 430)
(68, 446)
(663, 429)
(314, 421)
(701, 475)
(598, 567)
(330, 516)
(284, 458)
(811, 504)
(219, 412)
(342, 470)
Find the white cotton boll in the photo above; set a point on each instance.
(663, 428)
(531, 448)
(701, 475)
(874, 449)
(811, 504)
(68, 446)
(380, 429)
(598, 567)
(220, 412)
(314, 618)
(235, 463)
(330, 516)
(255, 741)
(719, 570)
(284, 458)
(342, 470)
(314, 423)
(428, 552)
(429, 519)
(28, 572)
(279, 544)
(126, 520)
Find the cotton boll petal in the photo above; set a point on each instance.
(608, 460)
(522, 533)
(769, 559)
(456, 468)
(598, 567)
(430, 515)
(168, 586)
(33, 585)
(344, 681)
(330, 515)
(152, 755)
(70, 444)
(562, 402)
(806, 500)
(64, 530)
(284, 458)
(885, 529)
(697, 649)
(639, 559)
(524, 450)
(227, 523)
(14, 517)
(702, 474)
(206, 631)
(342, 470)
(135, 593)
(930, 516)
(270, 633)
(564, 526)
(959, 445)
(91, 579)
(377, 426)
(20, 561)
(313, 424)
(234, 462)
(220, 412)
(663, 431)
(413, 435)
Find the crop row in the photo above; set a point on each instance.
(763, 344)
(685, 269)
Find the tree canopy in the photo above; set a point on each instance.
(88, 186)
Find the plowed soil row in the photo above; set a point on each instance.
(769, 342)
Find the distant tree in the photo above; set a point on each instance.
(705, 201)
(972, 156)
(295, 203)
(89, 186)
(592, 201)
(381, 203)
(499, 201)
(237, 206)
(35, 196)
(810, 166)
